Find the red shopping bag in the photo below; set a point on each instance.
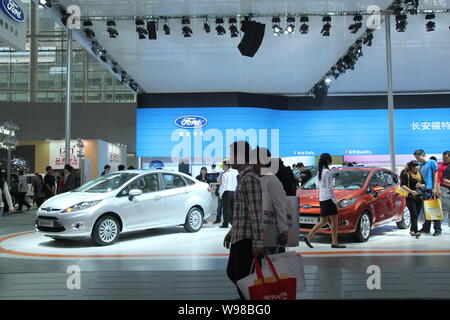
(281, 289)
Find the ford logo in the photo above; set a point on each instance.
(191, 122)
(13, 10)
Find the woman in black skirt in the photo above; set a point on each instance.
(328, 201)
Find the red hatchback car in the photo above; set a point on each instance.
(367, 199)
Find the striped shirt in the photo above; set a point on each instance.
(247, 213)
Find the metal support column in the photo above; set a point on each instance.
(33, 52)
(68, 95)
(387, 23)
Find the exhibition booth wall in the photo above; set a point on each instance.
(98, 153)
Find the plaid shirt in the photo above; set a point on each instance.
(247, 213)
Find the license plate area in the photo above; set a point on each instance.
(45, 223)
(309, 220)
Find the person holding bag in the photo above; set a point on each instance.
(412, 182)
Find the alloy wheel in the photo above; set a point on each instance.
(365, 226)
(195, 219)
(108, 230)
(406, 217)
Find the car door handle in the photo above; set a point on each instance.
(156, 198)
(186, 192)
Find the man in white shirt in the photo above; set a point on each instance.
(226, 192)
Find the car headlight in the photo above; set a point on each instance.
(347, 202)
(81, 206)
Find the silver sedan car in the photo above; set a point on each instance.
(126, 201)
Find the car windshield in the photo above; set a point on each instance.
(344, 180)
(106, 183)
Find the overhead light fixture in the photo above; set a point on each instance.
(357, 23)
(207, 27)
(113, 33)
(45, 3)
(326, 27)
(103, 56)
(233, 28)
(186, 29)
(89, 33)
(411, 6)
(290, 26)
(304, 28)
(277, 30)
(219, 27)
(368, 39)
(142, 32)
(64, 16)
(430, 25)
(166, 28)
(401, 22)
(123, 77)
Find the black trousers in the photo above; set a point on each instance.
(22, 201)
(227, 204)
(219, 209)
(240, 261)
(415, 205)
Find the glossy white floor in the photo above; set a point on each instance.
(172, 264)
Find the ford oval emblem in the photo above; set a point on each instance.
(191, 122)
(13, 10)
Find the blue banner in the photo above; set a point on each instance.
(339, 132)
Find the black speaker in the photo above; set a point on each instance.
(253, 37)
(151, 28)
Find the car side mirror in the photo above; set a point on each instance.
(134, 193)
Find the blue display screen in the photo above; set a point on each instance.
(339, 132)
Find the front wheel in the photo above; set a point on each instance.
(364, 226)
(194, 220)
(106, 231)
(406, 220)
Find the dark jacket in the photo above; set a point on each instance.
(71, 183)
(287, 179)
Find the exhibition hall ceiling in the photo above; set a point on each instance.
(207, 62)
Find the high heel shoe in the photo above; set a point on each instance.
(308, 243)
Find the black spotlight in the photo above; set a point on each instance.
(103, 56)
(64, 16)
(207, 27)
(233, 28)
(166, 29)
(304, 28)
(400, 19)
(123, 77)
(46, 3)
(277, 29)
(186, 29)
(290, 26)
(411, 6)
(326, 27)
(368, 39)
(357, 25)
(219, 27)
(89, 33)
(320, 91)
(140, 29)
(431, 25)
(151, 30)
(112, 29)
(253, 37)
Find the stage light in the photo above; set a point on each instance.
(166, 29)
(400, 19)
(328, 79)
(219, 27)
(326, 27)
(304, 28)
(357, 25)
(207, 27)
(140, 29)
(186, 29)
(290, 26)
(89, 33)
(46, 3)
(103, 56)
(233, 28)
(64, 15)
(112, 29)
(411, 6)
(277, 30)
(430, 25)
(368, 39)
